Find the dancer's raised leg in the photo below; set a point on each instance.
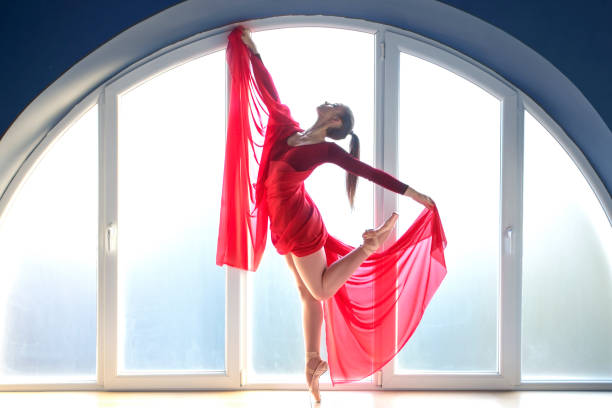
(323, 281)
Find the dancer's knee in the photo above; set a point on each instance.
(305, 294)
(311, 269)
(316, 295)
(321, 294)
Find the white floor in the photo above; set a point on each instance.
(295, 399)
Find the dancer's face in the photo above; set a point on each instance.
(329, 113)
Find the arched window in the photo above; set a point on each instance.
(160, 314)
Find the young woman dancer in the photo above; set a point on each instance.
(321, 264)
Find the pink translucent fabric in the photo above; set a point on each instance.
(376, 311)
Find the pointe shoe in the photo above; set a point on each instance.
(315, 367)
(374, 238)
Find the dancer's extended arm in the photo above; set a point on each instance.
(339, 156)
(313, 155)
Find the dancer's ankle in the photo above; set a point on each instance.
(312, 354)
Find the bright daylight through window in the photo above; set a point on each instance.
(172, 299)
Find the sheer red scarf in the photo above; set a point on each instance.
(243, 223)
(375, 312)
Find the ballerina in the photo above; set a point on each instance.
(321, 264)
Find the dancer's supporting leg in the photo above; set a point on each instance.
(323, 281)
(312, 319)
(312, 311)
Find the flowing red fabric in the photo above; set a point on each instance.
(375, 312)
(244, 215)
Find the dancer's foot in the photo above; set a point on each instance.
(374, 238)
(315, 367)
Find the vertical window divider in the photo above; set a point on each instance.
(242, 332)
(510, 244)
(380, 118)
(518, 254)
(102, 253)
(235, 320)
(236, 301)
(108, 189)
(387, 99)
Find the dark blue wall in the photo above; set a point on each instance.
(40, 40)
(575, 36)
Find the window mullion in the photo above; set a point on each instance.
(101, 355)
(379, 121)
(236, 301)
(511, 239)
(387, 100)
(108, 189)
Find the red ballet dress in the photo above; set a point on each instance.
(295, 224)
(375, 312)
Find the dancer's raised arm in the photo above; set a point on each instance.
(262, 76)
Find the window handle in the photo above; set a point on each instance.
(508, 240)
(111, 238)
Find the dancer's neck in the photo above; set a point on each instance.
(309, 136)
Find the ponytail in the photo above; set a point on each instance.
(351, 179)
(346, 116)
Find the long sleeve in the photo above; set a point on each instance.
(339, 156)
(262, 76)
(279, 114)
(307, 156)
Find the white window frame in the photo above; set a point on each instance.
(598, 188)
(508, 331)
(39, 150)
(230, 377)
(389, 41)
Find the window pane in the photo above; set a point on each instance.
(170, 149)
(48, 263)
(276, 343)
(449, 149)
(567, 267)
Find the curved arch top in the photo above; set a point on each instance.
(494, 48)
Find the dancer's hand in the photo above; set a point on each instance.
(421, 198)
(247, 40)
(425, 200)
